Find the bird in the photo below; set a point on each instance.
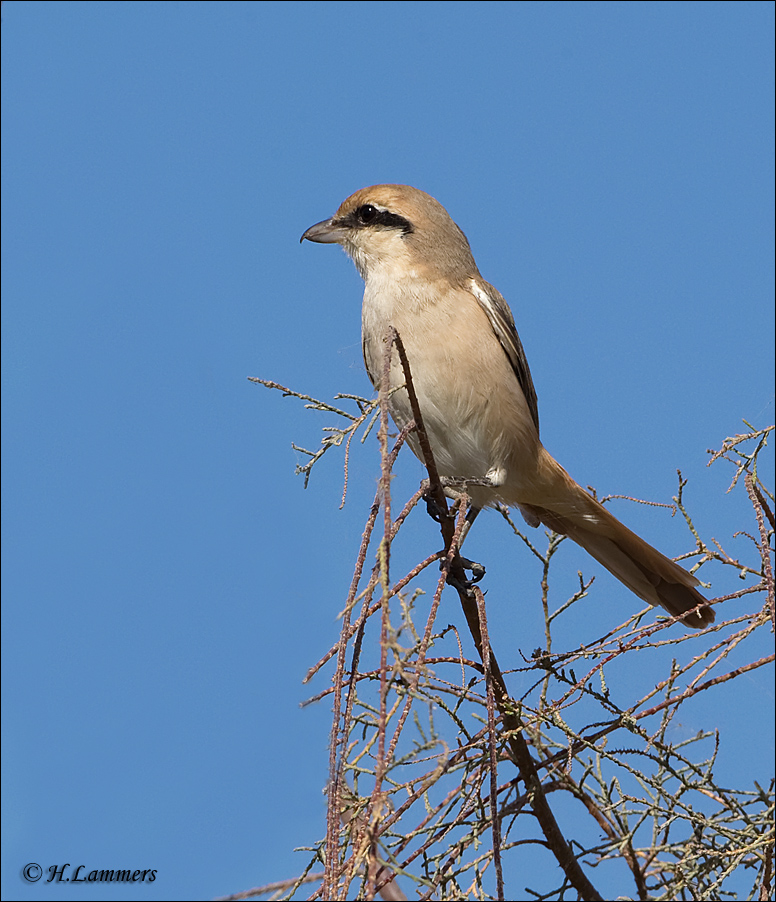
(473, 385)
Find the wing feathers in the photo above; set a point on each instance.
(503, 323)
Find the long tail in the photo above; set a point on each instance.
(642, 568)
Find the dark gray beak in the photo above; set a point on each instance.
(326, 232)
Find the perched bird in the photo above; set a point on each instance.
(473, 384)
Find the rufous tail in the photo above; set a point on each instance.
(643, 569)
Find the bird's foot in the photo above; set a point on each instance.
(465, 585)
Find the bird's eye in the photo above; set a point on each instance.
(366, 213)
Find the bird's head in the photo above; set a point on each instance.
(398, 230)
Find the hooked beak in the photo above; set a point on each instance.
(327, 232)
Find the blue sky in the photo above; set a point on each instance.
(166, 579)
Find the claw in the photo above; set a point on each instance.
(464, 586)
(434, 510)
(477, 571)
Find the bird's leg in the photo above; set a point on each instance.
(432, 507)
(471, 516)
(454, 487)
(478, 570)
(434, 511)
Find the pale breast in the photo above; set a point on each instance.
(473, 409)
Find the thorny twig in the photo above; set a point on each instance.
(650, 793)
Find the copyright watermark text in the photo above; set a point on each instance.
(63, 873)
